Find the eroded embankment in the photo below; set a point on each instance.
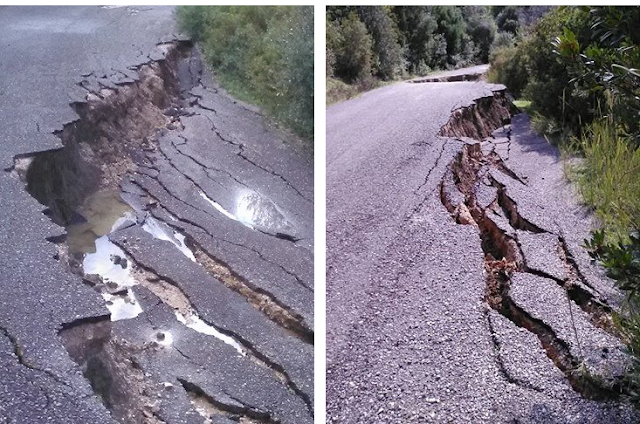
(114, 128)
(116, 134)
(531, 278)
(481, 118)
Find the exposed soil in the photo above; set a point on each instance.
(260, 300)
(116, 131)
(209, 407)
(481, 118)
(110, 367)
(469, 174)
(503, 258)
(109, 139)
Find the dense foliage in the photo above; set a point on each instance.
(411, 39)
(262, 54)
(608, 61)
(622, 260)
(566, 62)
(578, 67)
(370, 43)
(531, 69)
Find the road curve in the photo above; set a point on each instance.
(411, 332)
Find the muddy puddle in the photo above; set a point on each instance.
(109, 267)
(102, 213)
(87, 240)
(113, 267)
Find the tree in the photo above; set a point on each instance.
(334, 43)
(452, 26)
(507, 20)
(354, 55)
(481, 28)
(417, 28)
(385, 40)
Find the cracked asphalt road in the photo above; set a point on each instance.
(410, 334)
(62, 359)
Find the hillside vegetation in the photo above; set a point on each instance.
(578, 70)
(369, 45)
(261, 54)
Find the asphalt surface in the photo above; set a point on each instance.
(410, 337)
(219, 151)
(471, 72)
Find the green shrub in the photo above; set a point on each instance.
(533, 70)
(569, 59)
(608, 177)
(622, 259)
(502, 39)
(508, 67)
(622, 263)
(192, 20)
(549, 87)
(338, 90)
(354, 58)
(261, 54)
(507, 20)
(608, 62)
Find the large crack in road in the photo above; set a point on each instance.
(469, 297)
(202, 253)
(512, 258)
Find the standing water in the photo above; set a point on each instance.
(101, 214)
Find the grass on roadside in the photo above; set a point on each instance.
(339, 91)
(260, 54)
(622, 263)
(609, 178)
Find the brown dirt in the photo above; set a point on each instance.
(481, 118)
(106, 142)
(111, 368)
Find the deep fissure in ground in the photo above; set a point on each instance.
(503, 256)
(116, 129)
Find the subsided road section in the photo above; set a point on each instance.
(457, 288)
(157, 235)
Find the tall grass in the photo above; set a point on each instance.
(260, 54)
(609, 178)
(609, 181)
